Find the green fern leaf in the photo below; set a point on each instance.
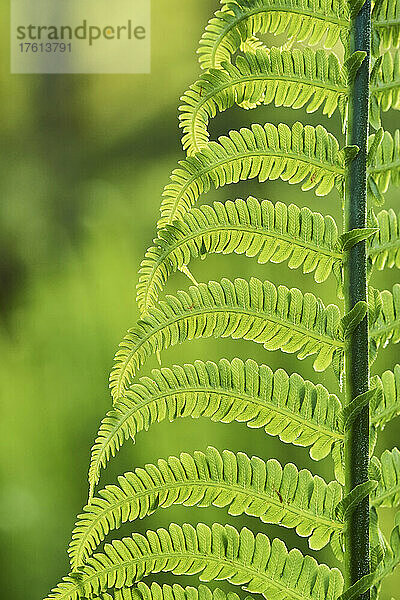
(387, 493)
(385, 87)
(302, 154)
(388, 406)
(386, 25)
(141, 591)
(373, 145)
(253, 44)
(277, 318)
(295, 78)
(392, 555)
(386, 167)
(295, 410)
(218, 553)
(384, 246)
(379, 545)
(308, 21)
(387, 327)
(274, 233)
(283, 496)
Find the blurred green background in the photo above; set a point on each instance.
(83, 163)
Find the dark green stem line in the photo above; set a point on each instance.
(357, 360)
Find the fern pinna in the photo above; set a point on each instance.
(341, 76)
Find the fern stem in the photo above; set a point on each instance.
(357, 359)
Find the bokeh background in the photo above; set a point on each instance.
(83, 160)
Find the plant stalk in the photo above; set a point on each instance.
(355, 274)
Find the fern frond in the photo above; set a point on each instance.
(387, 493)
(283, 496)
(277, 318)
(218, 553)
(385, 87)
(295, 410)
(308, 21)
(386, 25)
(295, 78)
(387, 327)
(272, 232)
(386, 167)
(388, 406)
(141, 591)
(302, 154)
(384, 246)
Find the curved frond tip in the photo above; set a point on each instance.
(301, 154)
(275, 494)
(297, 411)
(218, 553)
(311, 21)
(277, 318)
(292, 78)
(270, 232)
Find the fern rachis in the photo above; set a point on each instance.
(344, 423)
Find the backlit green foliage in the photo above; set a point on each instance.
(240, 71)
